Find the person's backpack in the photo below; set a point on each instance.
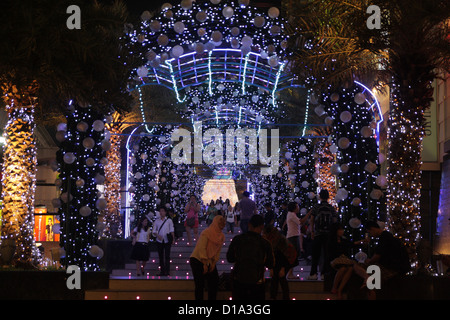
(324, 218)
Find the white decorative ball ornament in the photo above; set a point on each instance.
(216, 36)
(90, 162)
(79, 183)
(342, 193)
(366, 132)
(142, 71)
(227, 12)
(376, 194)
(60, 136)
(333, 149)
(186, 4)
(246, 50)
(247, 41)
(100, 226)
(274, 12)
(101, 204)
(210, 46)
(146, 15)
(106, 145)
(162, 40)
(381, 181)
(370, 167)
(201, 32)
(335, 169)
(259, 21)
(166, 6)
(360, 98)
(344, 168)
(201, 16)
(96, 252)
(99, 179)
(334, 97)
(56, 228)
(155, 26)
(82, 126)
(179, 27)
(69, 158)
(104, 161)
(356, 202)
(273, 61)
(361, 257)
(177, 51)
(88, 143)
(343, 143)
(319, 110)
(354, 223)
(62, 127)
(85, 211)
(345, 116)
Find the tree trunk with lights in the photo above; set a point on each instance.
(406, 132)
(325, 160)
(113, 227)
(19, 174)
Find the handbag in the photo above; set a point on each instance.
(169, 235)
(190, 222)
(342, 260)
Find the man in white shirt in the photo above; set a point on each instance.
(163, 231)
(293, 230)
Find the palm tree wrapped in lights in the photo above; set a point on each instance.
(44, 65)
(19, 166)
(117, 125)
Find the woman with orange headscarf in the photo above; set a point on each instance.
(205, 256)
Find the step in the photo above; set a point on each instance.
(184, 290)
(183, 269)
(189, 295)
(188, 284)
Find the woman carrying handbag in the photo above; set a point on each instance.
(141, 251)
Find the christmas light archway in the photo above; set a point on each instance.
(207, 45)
(224, 60)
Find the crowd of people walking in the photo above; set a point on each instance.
(266, 241)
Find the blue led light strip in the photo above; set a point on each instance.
(280, 70)
(245, 71)
(210, 74)
(306, 112)
(174, 83)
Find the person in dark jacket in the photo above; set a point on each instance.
(280, 246)
(251, 254)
